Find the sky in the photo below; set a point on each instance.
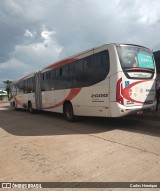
(37, 33)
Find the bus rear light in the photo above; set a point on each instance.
(119, 97)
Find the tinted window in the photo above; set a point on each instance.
(134, 56)
(78, 80)
(81, 73)
(47, 81)
(20, 88)
(29, 85)
(96, 68)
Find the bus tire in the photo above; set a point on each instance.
(68, 112)
(30, 108)
(15, 106)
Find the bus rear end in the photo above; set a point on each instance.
(136, 80)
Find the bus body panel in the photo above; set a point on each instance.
(94, 99)
(115, 96)
(136, 95)
(138, 92)
(22, 100)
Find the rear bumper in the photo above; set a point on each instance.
(118, 110)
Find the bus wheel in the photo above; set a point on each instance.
(68, 112)
(15, 106)
(30, 108)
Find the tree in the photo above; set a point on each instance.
(7, 84)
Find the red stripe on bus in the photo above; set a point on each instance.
(70, 96)
(126, 92)
(60, 63)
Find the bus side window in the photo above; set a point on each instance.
(96, 68)
(58, 78)
(86, 67)
(60, 71)
(42, 81)
(95, 74)
(19, 88)
(66, 78)
(33, 84)
(79, 74)
(105, 63)
(45, 81)
(29, 85)
(71, 71)
(49, 77)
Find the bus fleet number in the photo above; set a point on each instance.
(99, 95)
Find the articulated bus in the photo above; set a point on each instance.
(111, 80)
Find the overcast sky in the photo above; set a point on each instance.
(36, 33)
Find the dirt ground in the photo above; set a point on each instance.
(44, 147)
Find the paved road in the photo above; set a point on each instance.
(44, 147)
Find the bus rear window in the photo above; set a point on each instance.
(135, 57)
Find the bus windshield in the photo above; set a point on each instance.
(135, 57)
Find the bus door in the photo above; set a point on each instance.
(38, 93)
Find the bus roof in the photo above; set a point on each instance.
(24, 77)
(72, 58)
